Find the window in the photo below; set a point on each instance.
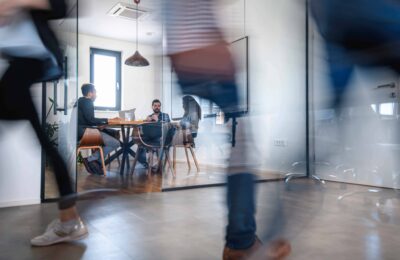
(105, 74)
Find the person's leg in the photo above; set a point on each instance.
(110, 144)
(16, 100)
(241, 228)
(341, 70)
(142, 156)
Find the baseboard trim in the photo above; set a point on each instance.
(18, 203)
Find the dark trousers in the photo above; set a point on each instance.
(16, 104)
(241, 228)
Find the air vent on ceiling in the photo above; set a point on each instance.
(126, 11)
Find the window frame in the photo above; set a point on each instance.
(117, 55)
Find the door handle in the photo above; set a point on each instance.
(389, 85)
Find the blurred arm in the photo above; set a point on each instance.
(35, 4)
(48, 9)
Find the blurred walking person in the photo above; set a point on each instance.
(357, 32)
(204, 67)
(25, 68)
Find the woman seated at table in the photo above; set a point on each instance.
(189, 124)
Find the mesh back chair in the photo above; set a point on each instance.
(92, 139)
(154, 138)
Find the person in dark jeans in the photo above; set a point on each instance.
(16, 104)
(86, 118)
(204, 68)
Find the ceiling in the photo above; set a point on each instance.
(93, 20)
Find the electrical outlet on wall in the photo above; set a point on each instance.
(280, 142)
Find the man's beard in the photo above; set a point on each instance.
(156, 111)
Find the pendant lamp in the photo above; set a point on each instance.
(137, 60)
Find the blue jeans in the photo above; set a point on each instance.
(141, 152)
(241, 228)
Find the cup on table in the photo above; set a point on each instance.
(128, 116)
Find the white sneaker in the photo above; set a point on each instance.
(58, 232)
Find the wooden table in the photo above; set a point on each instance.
(126, 144)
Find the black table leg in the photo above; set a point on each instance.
(126, 148)
(123, 150)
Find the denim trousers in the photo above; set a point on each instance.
(241, 228)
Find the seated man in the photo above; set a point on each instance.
(86, 119)
(156, 117)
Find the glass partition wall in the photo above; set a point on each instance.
(107, 38)
(357, 142)
(271, 77)
(59, 113)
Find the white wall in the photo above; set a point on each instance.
(276, 31)
(20, 161)
(140, 85)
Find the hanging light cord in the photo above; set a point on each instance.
(137, 22)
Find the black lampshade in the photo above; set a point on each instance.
(137, 60)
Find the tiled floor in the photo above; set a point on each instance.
(190, 224)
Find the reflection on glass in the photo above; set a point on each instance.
(374, 107)
(386, 109)
(60, 115)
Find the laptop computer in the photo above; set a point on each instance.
(122, 113)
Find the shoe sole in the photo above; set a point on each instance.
(63, 240)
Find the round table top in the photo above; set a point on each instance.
(113, 122)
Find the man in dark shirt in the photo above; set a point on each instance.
(86, 118)
(157, 115)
